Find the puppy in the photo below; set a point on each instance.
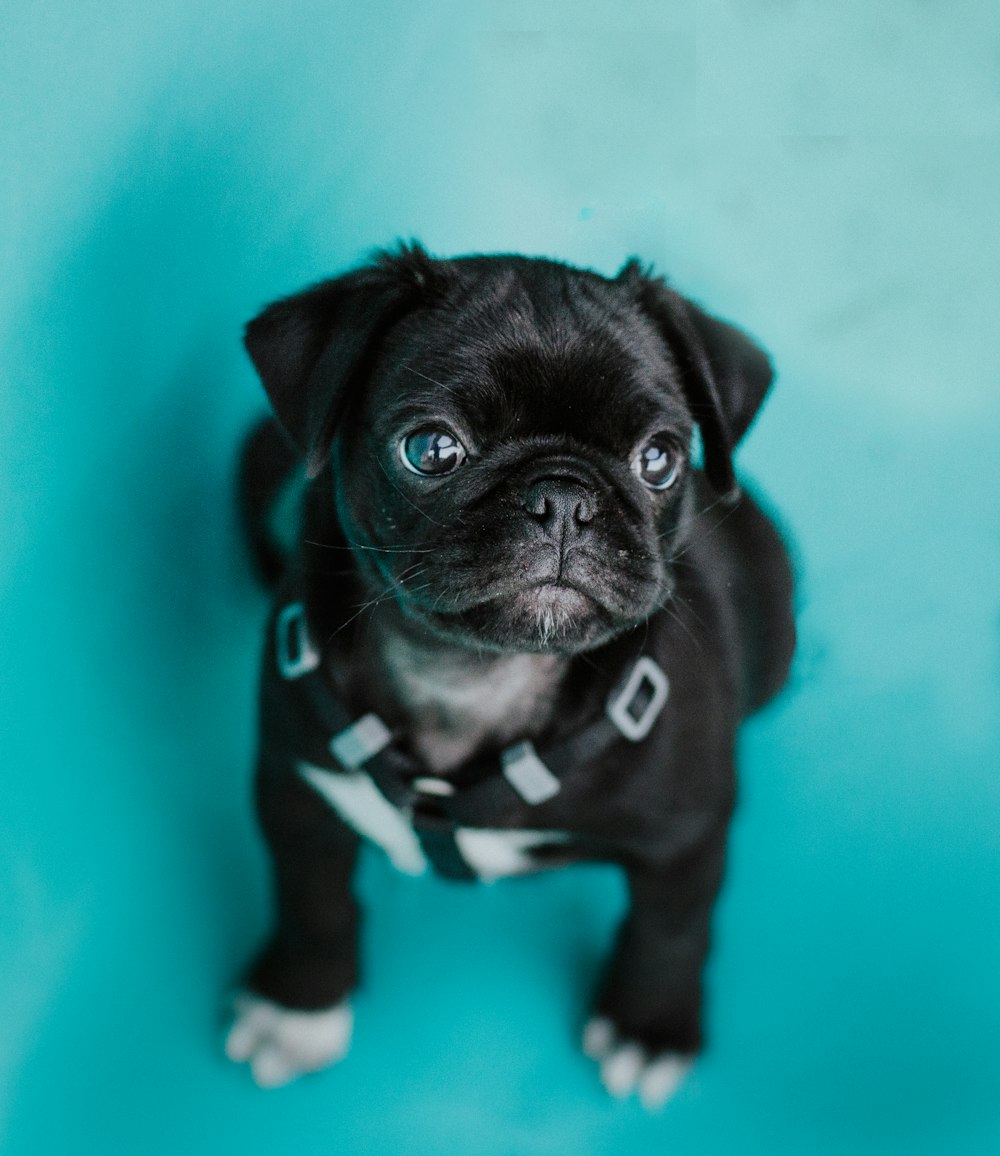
(518, 628)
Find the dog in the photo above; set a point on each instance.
(517, 627)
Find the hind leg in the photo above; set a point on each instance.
(764, 590)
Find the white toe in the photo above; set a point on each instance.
(621, 1069)
(249, 1027)
(270, 1069)
(661, 1079)
(598, 1036)
(315, 1039)
(281, 1044)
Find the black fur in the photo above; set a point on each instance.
(553, 375)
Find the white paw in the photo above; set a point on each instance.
(627, 1067)
(281, 1044)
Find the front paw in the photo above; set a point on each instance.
(628, 1065)
(281, 1044)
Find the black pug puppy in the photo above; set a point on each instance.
(518, 627)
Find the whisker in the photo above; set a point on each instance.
(377, 549)
(408, 575)
(396, 584)
(413, 505)
(364, 606)
(694, 518)
(684, 549)
(689, 608)
(645, 633)
(672, 611)
(437, 601)
(433, 381)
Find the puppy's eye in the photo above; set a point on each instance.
(431, 452)
(657, 464)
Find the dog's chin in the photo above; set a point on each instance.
(550, 618)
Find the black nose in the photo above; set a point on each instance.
(562, 505)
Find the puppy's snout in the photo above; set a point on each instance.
(561, 505)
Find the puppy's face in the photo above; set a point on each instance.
(515, 469)
(510, 452)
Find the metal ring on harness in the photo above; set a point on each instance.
(646, 677)
(296, 654)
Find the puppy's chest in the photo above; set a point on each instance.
(447, 711)
(453, 709)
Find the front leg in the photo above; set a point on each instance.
(294, 1015)
(647, 1024)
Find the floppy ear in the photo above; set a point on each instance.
(312, 349)
(725, 375)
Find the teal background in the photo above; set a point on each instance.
(828, 175)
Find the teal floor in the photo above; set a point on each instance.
(829, 175)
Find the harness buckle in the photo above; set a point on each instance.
(432, 785)
(361, 741)
(295, 652)
(527, 774)
(635, 707)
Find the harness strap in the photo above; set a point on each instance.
(471, 794)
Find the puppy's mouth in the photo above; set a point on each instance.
(557, 610)
(528, 596)
(548, 617)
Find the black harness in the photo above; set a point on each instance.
(471, 793)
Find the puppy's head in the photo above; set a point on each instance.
(509, 438)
